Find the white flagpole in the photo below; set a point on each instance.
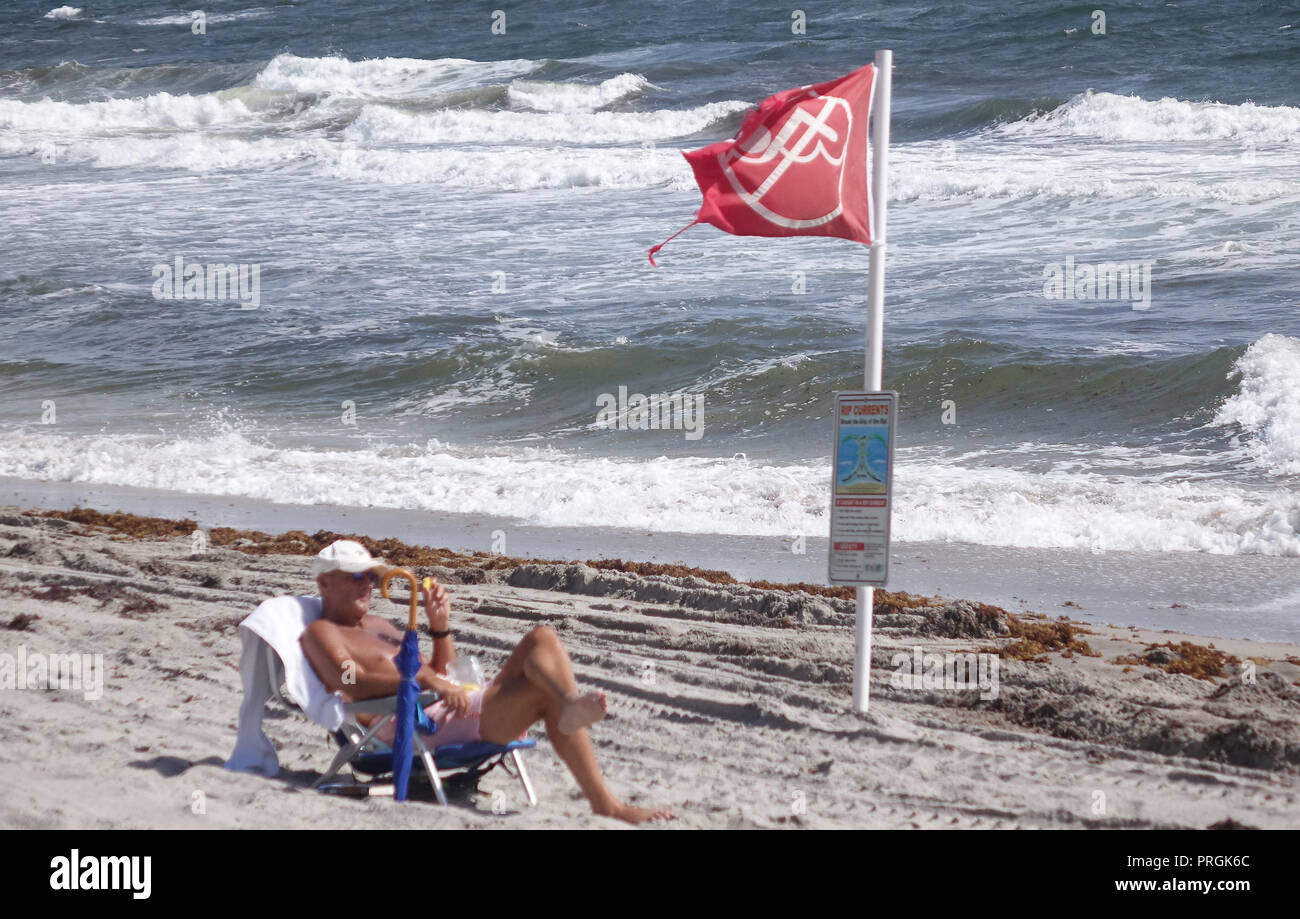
(875, 335)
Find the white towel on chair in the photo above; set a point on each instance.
(278, 623)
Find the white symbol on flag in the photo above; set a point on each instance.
(760, 148)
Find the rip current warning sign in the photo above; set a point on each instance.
(862, 487)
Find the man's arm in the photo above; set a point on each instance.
(437, 607)
(358, 669)
(359, 672)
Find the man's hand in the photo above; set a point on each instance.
(437, 606)
(455, 697)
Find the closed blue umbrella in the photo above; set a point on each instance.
(408, 691)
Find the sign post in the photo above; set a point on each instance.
(882, 91)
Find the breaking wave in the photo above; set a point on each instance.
(1000, 507)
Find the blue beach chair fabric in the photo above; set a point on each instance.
(359, 749)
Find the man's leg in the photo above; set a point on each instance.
(537, 684)
(542, 661)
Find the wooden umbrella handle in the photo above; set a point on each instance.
(415, 589)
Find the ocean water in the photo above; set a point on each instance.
(450, 229)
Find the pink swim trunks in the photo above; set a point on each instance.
(452, 728)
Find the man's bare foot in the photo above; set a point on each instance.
(636, 815)
(582, 712)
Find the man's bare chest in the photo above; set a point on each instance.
(373, 636)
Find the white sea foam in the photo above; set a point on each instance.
(200, 153)
(385, 77)
(544, 486)
(64, 12)
(505, 168)
(1130, 347)
(306, 98)
(186, 19)
(1006, 507)
(1041, 156)
(360, 156)
(161, 110)
(380, 124)
(575, 97)
(483, 149)
(1112, 117)
(934, 501)
(983, 167)
(1266, 405)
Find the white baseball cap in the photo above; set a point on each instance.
(346, 555)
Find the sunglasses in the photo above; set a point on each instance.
(368, 576)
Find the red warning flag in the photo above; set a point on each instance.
(796, 167)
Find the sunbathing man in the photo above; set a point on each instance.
(536, 683)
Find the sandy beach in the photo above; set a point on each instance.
(728, 703)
